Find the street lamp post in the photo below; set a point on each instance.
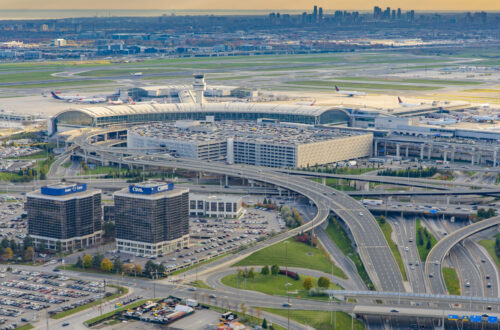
(286, 285)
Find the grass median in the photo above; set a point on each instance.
(299, 255)
(318, 319)
(451, 281)
(275, 285)
(120, 292)
(341, 239)
(425, 241)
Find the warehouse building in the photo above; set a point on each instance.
(151, 218)
(69, 214)
(262, 144)
(215, 206)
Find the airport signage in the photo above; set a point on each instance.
(61, 191)
(150, 190)
(492, 319)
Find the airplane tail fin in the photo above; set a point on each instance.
(54, 95)
(337, 89)
(130, 101)
(399, 100)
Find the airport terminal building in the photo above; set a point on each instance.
(151, 218)
(252, 143)
(67, 213)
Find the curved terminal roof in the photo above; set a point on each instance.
(130, 113)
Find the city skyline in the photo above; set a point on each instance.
(426, 5)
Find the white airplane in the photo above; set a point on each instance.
(115, 102)
(307, 103)
(78, 99)
(132, 102)
(406, 105)
(485, 118)
(349, 93)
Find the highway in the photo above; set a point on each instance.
(371, 244)
(442, 248)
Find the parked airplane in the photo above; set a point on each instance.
(443, 121)
(406, 105)
(132, 102)
(349, 93)
(485, 118)
(115, 102)
(78, 99)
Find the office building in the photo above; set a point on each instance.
(151, 218)
(215, 206)
(67, 213)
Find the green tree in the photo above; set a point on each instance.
(5, 242)
(79, 262)
(265, 270)
(323, 282)
(308, 283)
(429, 245)
(58, 246)
(29, 253)
(109, 229)
(96, 260)
(117, 265)
(27, 242)
(251, 273)
(106, 265)
(275, 269)
(87, 261)
(42, 247)
(264, 323)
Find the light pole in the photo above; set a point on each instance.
(286, 285)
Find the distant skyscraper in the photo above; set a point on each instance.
(315, 14)
(377, 12)
(399, 13)
(320, 14)
(393, 16)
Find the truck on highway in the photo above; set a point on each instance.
(373, 202)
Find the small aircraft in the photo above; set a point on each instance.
(349, 93)
(132, 102)
(115, 102)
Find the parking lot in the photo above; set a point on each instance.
(211, 237)
(27, 296)
(12, 223)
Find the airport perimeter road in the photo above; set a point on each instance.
(436, 256)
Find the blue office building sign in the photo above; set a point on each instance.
(150, 189)
(61, 190)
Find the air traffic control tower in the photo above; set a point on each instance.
(199, 87)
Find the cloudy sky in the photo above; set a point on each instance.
(255, 4)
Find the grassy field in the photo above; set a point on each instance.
(25, 327)
(200, 284)
(340, 238)
(387, 230)
(489, 245)
(121, 291)
(378, 86)
(413, 81)
(61, 84)
(274, 284)
(451, 281)
(318, 319)
(425, 247)
(299, 255)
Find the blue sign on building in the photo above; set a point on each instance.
(476, 318)
(62, 190)
(492, 319)
(149, 189)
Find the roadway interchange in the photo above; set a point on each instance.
(370, 241)
(433, 266)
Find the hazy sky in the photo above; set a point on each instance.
(255, 4)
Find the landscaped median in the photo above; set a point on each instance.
(276, 284)
(319, 319)
(425, 241)
(451, 280)
(119, 292)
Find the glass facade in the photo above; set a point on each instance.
(64, 219)
(152, 220)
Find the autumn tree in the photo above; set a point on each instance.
(308, 283)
